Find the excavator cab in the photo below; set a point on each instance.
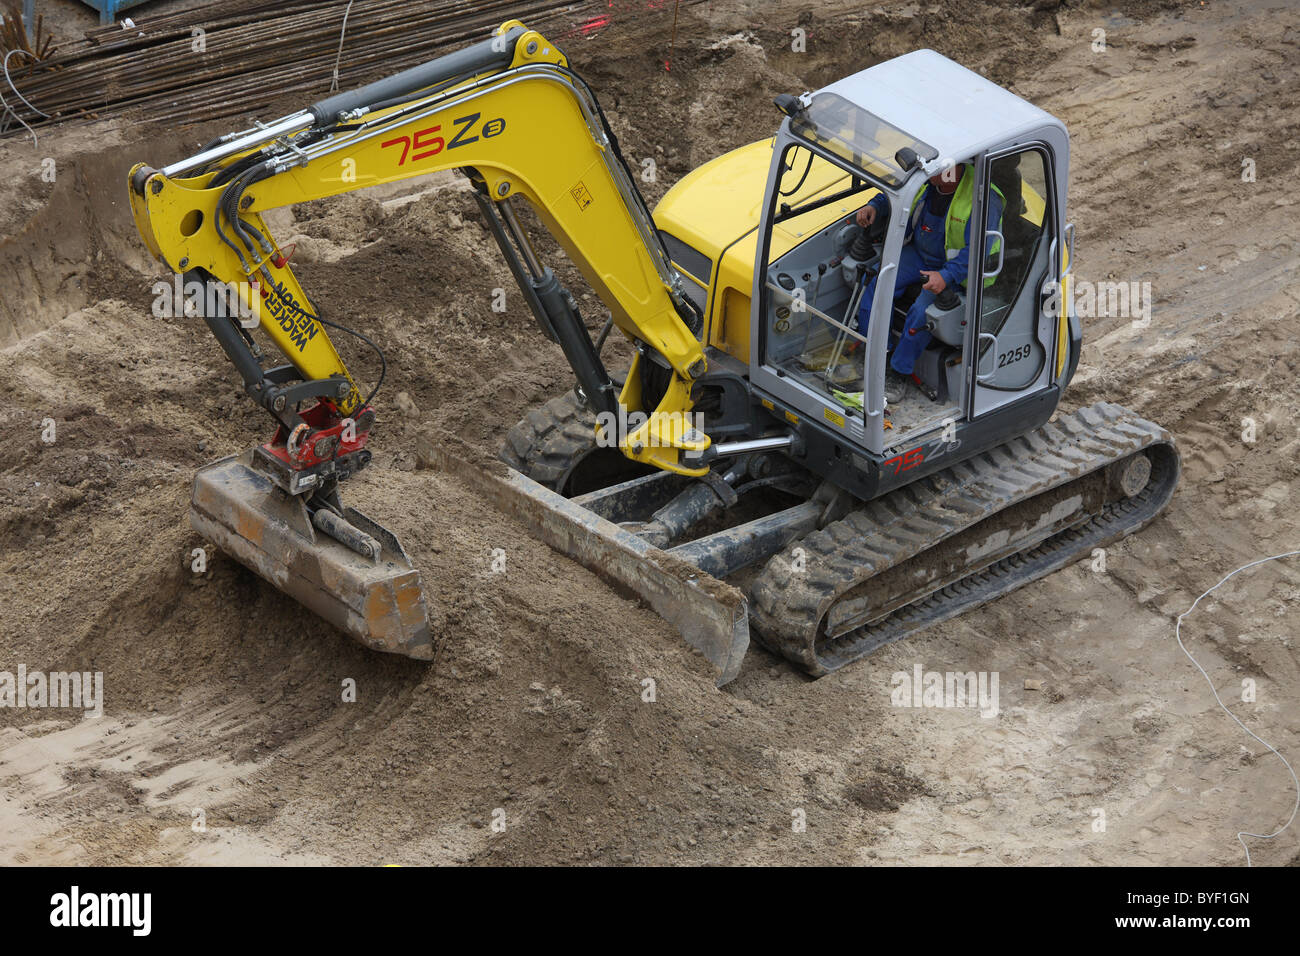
(995, 359)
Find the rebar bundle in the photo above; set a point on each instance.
(236, 56)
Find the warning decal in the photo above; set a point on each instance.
(580, 195)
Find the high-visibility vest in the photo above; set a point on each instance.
(959, 208)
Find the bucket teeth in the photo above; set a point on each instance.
(379, 602)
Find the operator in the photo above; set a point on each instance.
(935, 254)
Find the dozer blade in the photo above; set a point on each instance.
(379, 602)
(711, 616)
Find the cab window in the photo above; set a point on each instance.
(809, 284)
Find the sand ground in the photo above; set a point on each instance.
(223, 696)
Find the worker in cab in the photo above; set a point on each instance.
(935, 255)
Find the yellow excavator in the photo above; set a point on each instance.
(812, 440)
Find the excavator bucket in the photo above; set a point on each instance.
(379, 601)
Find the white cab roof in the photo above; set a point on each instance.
(939, 102)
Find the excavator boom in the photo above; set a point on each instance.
(510, 114)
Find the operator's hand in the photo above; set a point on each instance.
(865, 216)
(934, 282)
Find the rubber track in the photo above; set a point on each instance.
(788, 607)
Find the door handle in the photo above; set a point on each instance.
(991, 237)
(992, 351)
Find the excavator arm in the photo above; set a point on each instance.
(509, 114)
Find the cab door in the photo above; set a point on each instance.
(1015, 332)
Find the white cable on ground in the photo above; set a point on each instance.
(10, 110)
(334, 83)
(1178, 627)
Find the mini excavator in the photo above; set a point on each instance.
(747, 473)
